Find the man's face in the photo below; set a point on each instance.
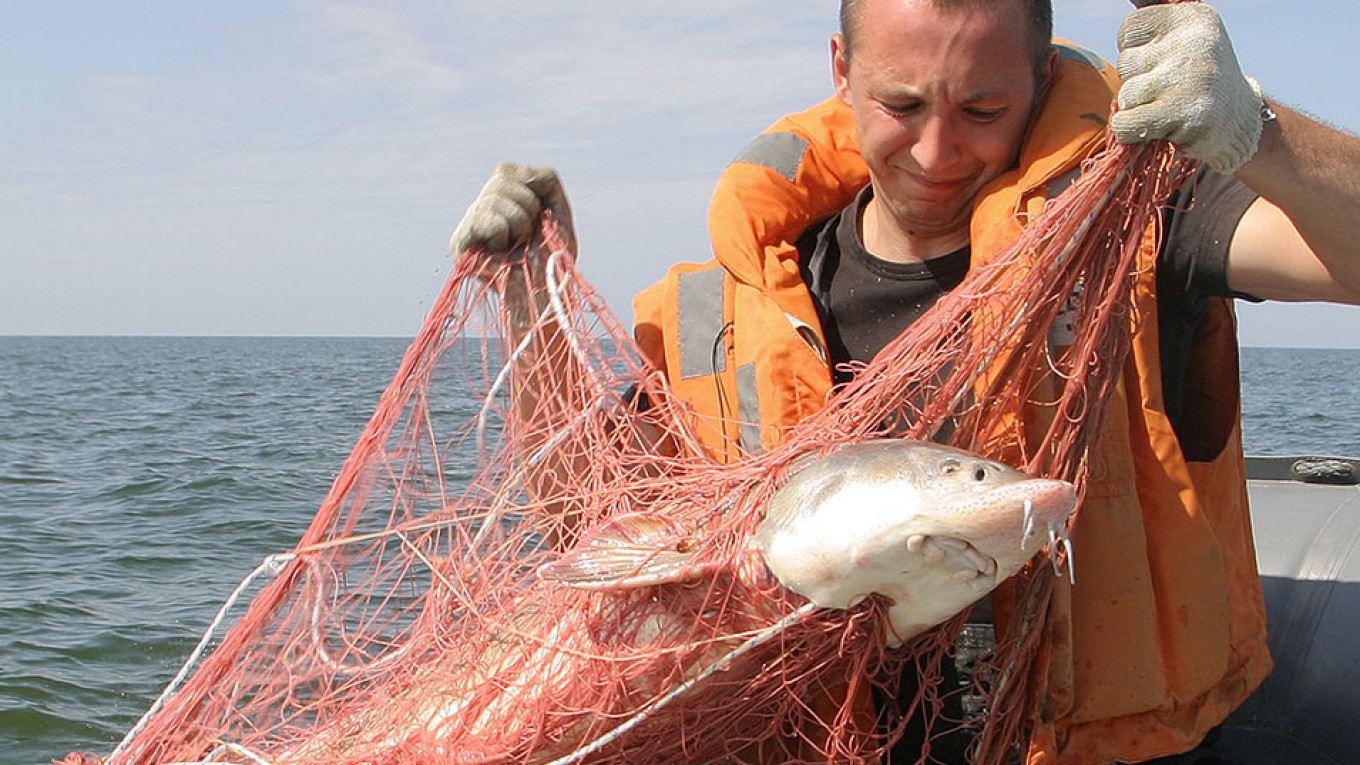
(941, 101)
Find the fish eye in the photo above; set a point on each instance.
(979, 473)
(949, 466)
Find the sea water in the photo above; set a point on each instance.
(142, 478)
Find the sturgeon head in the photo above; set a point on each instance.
(929, 527)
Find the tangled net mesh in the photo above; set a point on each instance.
(409, 625)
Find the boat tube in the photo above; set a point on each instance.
(1306, 518)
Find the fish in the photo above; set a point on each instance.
(930, 528)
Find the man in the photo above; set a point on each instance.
(944, 100)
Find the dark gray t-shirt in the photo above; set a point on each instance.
(864, 302)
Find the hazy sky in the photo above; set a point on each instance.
(284, 168)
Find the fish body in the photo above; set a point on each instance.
(930, 527)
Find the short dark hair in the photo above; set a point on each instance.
(1039, 13)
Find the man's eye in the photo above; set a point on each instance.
(985, 115)
(901, 110)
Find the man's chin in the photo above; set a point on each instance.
(934, 219)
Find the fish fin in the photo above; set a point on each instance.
(628, 552)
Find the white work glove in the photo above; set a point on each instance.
(506, 210)
(1182, 82)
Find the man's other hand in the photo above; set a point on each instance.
(507, 208)
(1182, 82)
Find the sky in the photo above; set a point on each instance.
(253, 167)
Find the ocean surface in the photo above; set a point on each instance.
(142, 478)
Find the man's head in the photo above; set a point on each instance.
(942, 92)
(1038, 13)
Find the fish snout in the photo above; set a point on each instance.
(1052, 500)
(1048, 504)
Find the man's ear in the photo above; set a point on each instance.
(1049, 73)
(840, 67)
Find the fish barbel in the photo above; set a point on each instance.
(930, 527)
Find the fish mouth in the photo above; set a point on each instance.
(1058, 539)
(965, 563)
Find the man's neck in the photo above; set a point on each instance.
(886, 240)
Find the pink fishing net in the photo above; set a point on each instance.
(412, 623)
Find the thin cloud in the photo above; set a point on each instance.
(376, 50)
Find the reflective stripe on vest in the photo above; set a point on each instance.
(1069, 52)
(701, 325)
(748, 408)
(780, 152)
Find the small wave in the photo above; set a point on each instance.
(26, 612)
(210, 482)
(21, 726)
(25, 480)
(135, 488)
(43, 717)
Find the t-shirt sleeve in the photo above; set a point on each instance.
(1199, 221)
(1192, 268)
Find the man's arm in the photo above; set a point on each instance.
(504, 215)
(1301, 240)
(547, 380)
(1182, 83)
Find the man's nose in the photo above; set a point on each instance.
(937, 146)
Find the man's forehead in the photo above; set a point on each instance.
(856, 7)
(919, 30)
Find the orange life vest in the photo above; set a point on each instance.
(1164, 633)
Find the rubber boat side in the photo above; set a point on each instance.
(1306, 517)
